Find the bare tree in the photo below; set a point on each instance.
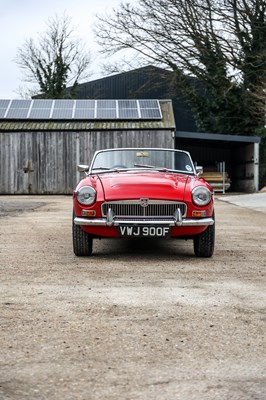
(216, 49)
(56, 61)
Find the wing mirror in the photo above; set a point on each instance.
(83, 168)
(199, 170)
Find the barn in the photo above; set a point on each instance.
(230, 162)
(43, 141)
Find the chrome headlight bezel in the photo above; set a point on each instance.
(201, 196)
(86, 195)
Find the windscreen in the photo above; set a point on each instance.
(146, 158)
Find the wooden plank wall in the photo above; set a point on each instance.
(45, 162)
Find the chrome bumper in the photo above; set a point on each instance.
(119, 222)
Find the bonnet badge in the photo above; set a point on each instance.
(144, 202)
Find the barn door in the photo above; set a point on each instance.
(53, 168)
(28, 176)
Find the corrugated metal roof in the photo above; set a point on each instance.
(148, 82)
(167, 122)
(217, 137)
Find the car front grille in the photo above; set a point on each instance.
(134, 209)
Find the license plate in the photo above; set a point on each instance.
(144, 231)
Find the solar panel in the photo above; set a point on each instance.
(149, 104)
(150, 109)
(20, 104)
(105, 104)
(2, 112)
(17, 113)
(85, 109)
(62, 114)
(40, 113)
(18, 109)
(62, 104)
(128, 109)
(150, 113)
(106, 113)
(4, 103)
(106, 109)
(60, 109)
(85, 104)
(42, 104)
(84, 113)
(3, 107)
(127, 104)
(128, 113)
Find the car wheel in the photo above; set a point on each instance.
(204, 242)
(82, 241)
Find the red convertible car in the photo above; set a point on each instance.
(143, 192)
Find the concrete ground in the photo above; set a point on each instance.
(254, 201)
(139, 320)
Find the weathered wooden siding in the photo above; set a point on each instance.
(45, 162)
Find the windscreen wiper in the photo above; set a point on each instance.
(163, 169)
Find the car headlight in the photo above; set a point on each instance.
(201, 196)
(86, 195)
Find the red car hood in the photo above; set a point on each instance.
(135, 185)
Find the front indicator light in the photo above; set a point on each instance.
(198, 214)
(88, 213)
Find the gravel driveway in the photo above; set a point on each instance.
(139, 319)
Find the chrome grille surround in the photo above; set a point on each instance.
(132, 209)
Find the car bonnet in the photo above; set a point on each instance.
(151, 184)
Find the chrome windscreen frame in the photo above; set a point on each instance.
(91, 172)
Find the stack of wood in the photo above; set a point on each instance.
(219, 181)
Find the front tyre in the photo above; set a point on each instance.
(204, 242)
(82, 241)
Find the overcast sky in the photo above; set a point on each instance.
(23, 19)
